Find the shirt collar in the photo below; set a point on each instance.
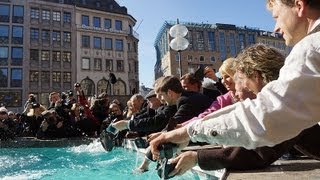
(316, 23)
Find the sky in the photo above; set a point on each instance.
(151, 15)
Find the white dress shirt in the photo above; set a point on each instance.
(281, 110)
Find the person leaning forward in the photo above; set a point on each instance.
(285, 106)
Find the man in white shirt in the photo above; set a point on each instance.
(285, 106)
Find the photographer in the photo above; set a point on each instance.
(27, 105)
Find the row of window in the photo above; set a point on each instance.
(201, 58)
(17, 13)
(97, 43)
(47, 35)
(46, 76)
(45, 55)
(15, 77)
(86, 64)
(47, 15)
(96, 22)
(16, 55)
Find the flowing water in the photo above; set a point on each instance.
(80, 162)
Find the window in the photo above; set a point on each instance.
(56, 76)
(200, 40)
(45, 55)
(45, 35)
(16, 56)
(177, 57)
(251, 39)
(119, 45)
(16, 77)
(67, 37)
(212, 59)
(201, 59)
(34, 13)
(109, 64)
(211, 41)
(66, 56)
(34, 76)
(108, 43)
(190, 57)
(129, 47)
(34, 55)
(120, 65)
(45, 76)
(56, 56)
(3, 77)
(85, 41)
(17, 14)
(107, 23)
(85, 20)
(56, 16)
(66, 17)
(34, 34)
(97, 64)
(232, 44)
(242, 41)
(66, 77)
(4, 54)
(85, 64)
(56, 36)
(4, 13)
(118, 25)
(17, 35)
(96, 22)
(4, 34)
(136, 66)
(97, 42)
(223, 51)
(46, 15)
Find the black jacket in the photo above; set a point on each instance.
(153, 123)
(189, 105)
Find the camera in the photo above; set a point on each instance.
(112, 130)
(164, 168)
(167, 150)
(199, 73)
(106, 140)
(64, 96)
(76, 85)
(141, 143)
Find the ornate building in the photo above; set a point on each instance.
(210, 44)
(49, 45)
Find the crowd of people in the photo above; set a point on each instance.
(260, 107)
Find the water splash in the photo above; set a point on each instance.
(94, 147)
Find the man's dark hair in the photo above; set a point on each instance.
(169, 82)
(192, 79)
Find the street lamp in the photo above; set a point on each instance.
(179, 43)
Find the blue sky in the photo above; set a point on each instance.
(151, 14)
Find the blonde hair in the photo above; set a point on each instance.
(227, 67)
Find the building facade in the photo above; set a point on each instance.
(210, 45)
(49, 45)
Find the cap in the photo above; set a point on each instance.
(10, 113)
(151, 94)
(3, 109)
